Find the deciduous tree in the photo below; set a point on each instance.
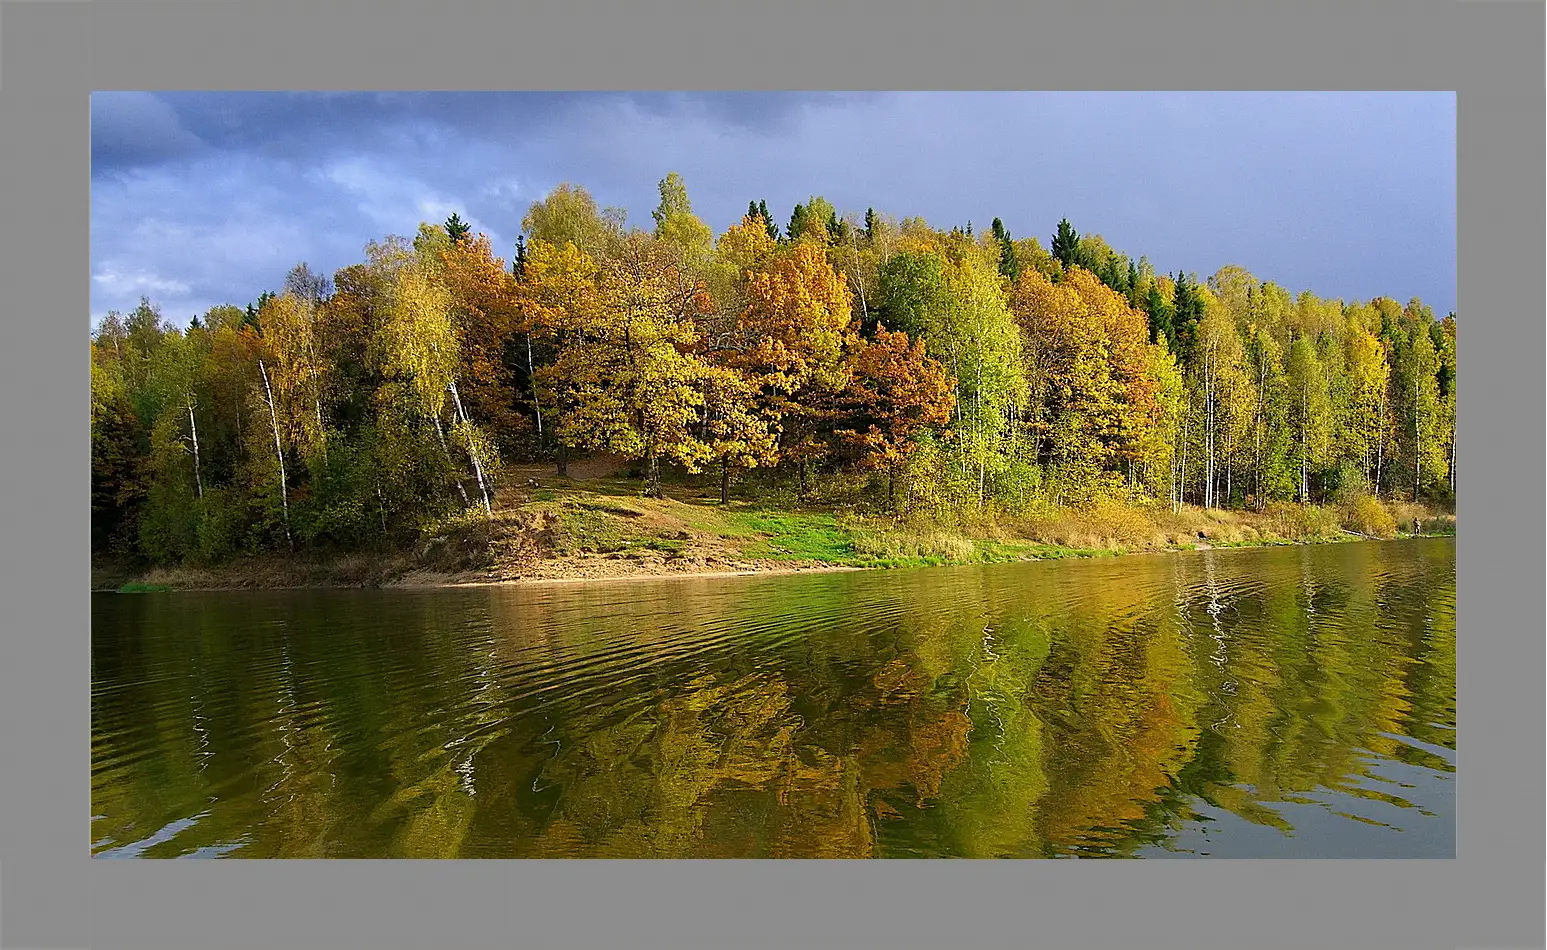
(626, 377)
(896, 393)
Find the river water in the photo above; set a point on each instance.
(1274, 702)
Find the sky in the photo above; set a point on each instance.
(199, 199)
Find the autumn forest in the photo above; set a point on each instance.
(938, 373)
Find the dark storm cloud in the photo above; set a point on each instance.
(129, 129)
(200, 198)
(142, 128)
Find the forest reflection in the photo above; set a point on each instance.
(1030, 710)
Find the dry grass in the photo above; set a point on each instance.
(1109, 526)
(1120, 526)
(906, 546)
(1301, 522)
(1412, 518)
(350, 570)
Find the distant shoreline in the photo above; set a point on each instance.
(387, 574)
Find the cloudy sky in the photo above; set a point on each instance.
(207, 198)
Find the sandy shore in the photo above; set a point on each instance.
(577, 571)
(436, 581)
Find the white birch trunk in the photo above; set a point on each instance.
(531, 375)
(279, 453)
(1208, 397)
(1305, 426)
(1260, 422)
(472, 448)
(1380, 438)
(193, 428)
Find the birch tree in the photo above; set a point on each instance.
(1310, 414)
(421, 347)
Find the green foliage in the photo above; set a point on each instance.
(338, 511)
(797, 225)
(912, 292)
(118, 459)
(1162, 317)
(169, 525)
(674, 201)
(226, 518)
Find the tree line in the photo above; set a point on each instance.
(960, 371)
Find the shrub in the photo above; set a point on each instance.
(1118, 520)
(1364, 514)
(225, 516)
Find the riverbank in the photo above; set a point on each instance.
(556, 530)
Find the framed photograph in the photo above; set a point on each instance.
(990, 475)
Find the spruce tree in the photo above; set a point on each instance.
(1162, 326)
(1009, 260)
(1066, 245)
(1186, 311)
(797, 222)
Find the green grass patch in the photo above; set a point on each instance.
(795, 536)
(726, 523)
(591, 529)
(1001, 552)
(810, 536)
